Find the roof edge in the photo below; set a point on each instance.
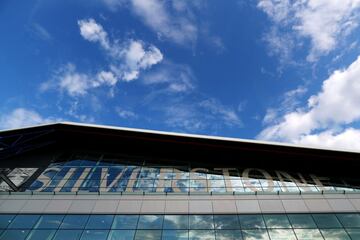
(175, 134)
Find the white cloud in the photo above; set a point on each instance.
(128, 59)
(199, 115)
(176, 78)
(22, 117)
(126, 114)
(227, 115)
(177, 27)
(324, 22)
(107, 78)
(40, 31)
(137, 58)
(74, 83)
(334, 107)
(346, 139)
(93, 32)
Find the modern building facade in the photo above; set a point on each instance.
(68, 181)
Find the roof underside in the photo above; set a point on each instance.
(162, 146)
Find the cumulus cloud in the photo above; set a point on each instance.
(324, 22)
(74, 83)
(327, 114)
(93, 32)
(22, 117)
(128, 58)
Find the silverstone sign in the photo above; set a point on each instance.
(133, 179)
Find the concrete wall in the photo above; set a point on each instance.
(178, 204)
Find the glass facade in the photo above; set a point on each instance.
(172, 227)
(79, 173)
(105, 175)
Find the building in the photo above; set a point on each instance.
(68, 181)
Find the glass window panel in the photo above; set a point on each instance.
(308, 234)
(74, 221)
(335, 234)
(256, 234)
(282, 234)
(354, 233)
(175, 235)
(302, 221)
(11, 234)
(20, 175)
(125, 222)
(68, 235)
(349, 220)
(216, 190)
(251, 221)
(5, 220)
(277, 221)
(121, 235)
(150, 221)
(49, 222)
(94, 235)
(201, 222)
(326, 221)
(176, 222)
(201, 235)
(226, 222)
(41, 234)
(216, 183)
(148, 235)
(99, 222)
(228, 235)
(198, 183)
(24, 221)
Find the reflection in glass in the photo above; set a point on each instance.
(228, 235)
(5, 220)
(201, 235)
(282, 234)
(125, 222)
(349, 220)
(256, 234)
(41, 234)
(277, 221)
(18, 234)
(175, 235)
(201, 222)
(176, 222)
(68, 235)
(94, 235)
(121, 235)
(326, 221)
(354, 233)
(24, 221)
(49, 221)
(302, 221)
(150, 221)
(74, 221)
(334, 234)
(148, 235)
(308, 234)
(99, 222)
(226, 222)
(251, 221)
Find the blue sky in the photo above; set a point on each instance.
(277, 70)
